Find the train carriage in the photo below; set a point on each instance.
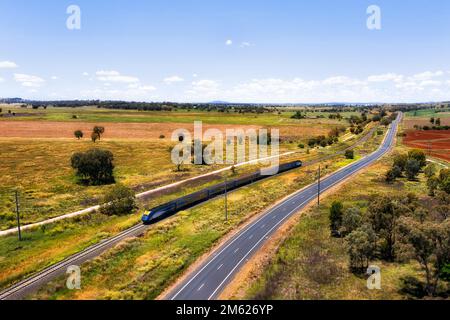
(170, 208)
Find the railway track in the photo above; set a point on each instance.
(32, 283)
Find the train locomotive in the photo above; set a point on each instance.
(168, 209)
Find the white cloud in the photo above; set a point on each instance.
(229, 42)
(146, 88)
(389, 87)
(432, 83)
(1, 79)
(195, 75)
(245, 44)
(203, 89)
(132, 93)
(85, 74)
(385, 77)
(342, 80)
(173, 79)
(29, 80)
(54, 78)
(427, 75)
(114, 76)
(8, 65)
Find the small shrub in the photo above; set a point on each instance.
(78, 134)
(349, 154)
(119, 201)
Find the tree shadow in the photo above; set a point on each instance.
(412, 287)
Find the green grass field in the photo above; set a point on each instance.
(91, 114)
(428, 113)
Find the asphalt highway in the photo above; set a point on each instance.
(211, 277)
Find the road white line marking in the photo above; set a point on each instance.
(220, 266)
(200, 288)
(263, 226)
(250, 238)
(235, 251)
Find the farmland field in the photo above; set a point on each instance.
(35, 157)
(36, 146)
(435, 143)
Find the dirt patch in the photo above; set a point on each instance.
(113, 130)
(411, 122)
(435, 142)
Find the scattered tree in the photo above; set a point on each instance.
(418, 155)
(429, 243)
(94, 166)
(383, 213)
(349, 154)
(400, 161)
(361, 246)
(99, 131)
(94, 137)
(412, 169)
(393, 173)
(432, 184)
(336, 212)
(430, 170)
(78, 134)
(351, 220)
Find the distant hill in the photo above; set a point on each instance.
(219, 102)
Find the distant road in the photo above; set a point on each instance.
(211, 277)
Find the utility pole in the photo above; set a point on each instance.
(18, 215)
(226, 199)
(318, 189)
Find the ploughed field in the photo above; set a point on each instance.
(117, 130)
(435, 142)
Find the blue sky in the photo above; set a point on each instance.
(244, 51)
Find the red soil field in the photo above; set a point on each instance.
(436, 143)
